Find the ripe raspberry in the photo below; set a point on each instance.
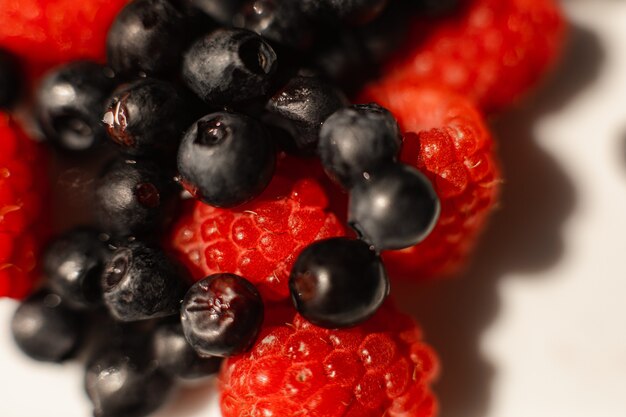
(379, 368)
(22, 223)
(55, 31)
(259, 240)
(492, 51)
(450, 144)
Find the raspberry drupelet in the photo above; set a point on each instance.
(379, 368)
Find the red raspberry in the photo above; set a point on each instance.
(492, 51)
(22, 223)
(260, 240)
(379, 368)
(451, 144)
(55, 31)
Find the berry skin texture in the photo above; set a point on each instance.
(55, 31)
(23, 222)
(379, 368)
(492, 51)
(450, 143)
(259, 240)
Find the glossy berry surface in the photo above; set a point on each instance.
(123, 382)
(134, 197)
(73, 264)
(229, 66)
(49, 32)
(226, 159)
(356, 140)
(140, 282)
(338, 282)
(221, 315)
(491, 51)
(10, 79)
(395, 208)
(177, 358)
(24, 224)
(69, 105)
(381, 367)
(44, 329)
(146, 37)
(259, 240)
(279, 21)
(301, 106)
(147, 117)
(452, 146)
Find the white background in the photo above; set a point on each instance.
(537, 325)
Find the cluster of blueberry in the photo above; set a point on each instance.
(205, 94)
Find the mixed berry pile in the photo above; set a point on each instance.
(269, 168)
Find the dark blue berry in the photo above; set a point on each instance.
(356, 140)
(229, 66)
(300, 108)
(147, 117)
(140, 282)
(226, 159)
(279, 21)
(44, 329)
(134, 197)
(11, 82)
(338, 282)
(147, 37)
(69, 105)
(395, 208)
(123, 382)
(222, 315)
(73, 264)
(177, 358)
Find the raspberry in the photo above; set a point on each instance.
(22, 223)
(492, 51)
(450, 143)
(379, 368)
(260, 240)
(55, 31)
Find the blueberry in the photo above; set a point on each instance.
(343, 58)
(223, 11)
(45, 330)
(229, 66)
(226, 159)
(396, 208)
(69, 105)
(140, 282)
(11, 82)
(301, 107)
(147, 117)
(222, 315)
(73, 264)
(176, 357)
(124, 383)
(146, 37)
(355, 141)
(280, 21)
(338, 282)
(134, 197)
